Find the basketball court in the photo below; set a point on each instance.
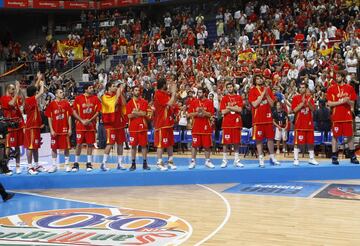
(269, 206)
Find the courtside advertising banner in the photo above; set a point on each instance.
(46, 4)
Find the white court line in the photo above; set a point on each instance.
(227, 217)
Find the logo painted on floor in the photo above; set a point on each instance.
(340, 191)
(294, 189)
(93, 226)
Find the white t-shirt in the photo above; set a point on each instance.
(331, 31)
(250, 27)
(167, 21)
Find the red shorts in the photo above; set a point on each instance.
(60, 142)
(15, 138)
(303, 137)
(344, 129)
(202, 140)
(138, 138)
(164, 137)
(262, 131)
(231, 136)
(87, 137)
(32, 138)
(115, 136)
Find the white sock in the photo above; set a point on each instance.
(77, 157)
(120, 159)
(30, 165)
(171, 158)
(207, 160)
(67, 160)
(261, 157)
(237, 156)
(193, 160)
(89, 158)
(296, 153)
(272, 156)
(105, 158)
(159, 161)
(311, 154)
(54, 162)
(224, 156)
(36, 164)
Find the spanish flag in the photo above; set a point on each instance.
(247, 55)
(108, 108)
(63, 48)
(326, 52)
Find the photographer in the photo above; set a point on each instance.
(10, 104)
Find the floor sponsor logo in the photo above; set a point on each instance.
(340, 191)
(93, 226)
(295, 189)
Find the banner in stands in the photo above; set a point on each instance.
(17, 4)
(64, 49)
(46, 4)
(105, 4)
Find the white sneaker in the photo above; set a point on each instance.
(261, 162)
(67, 168)
(296, 162)
(237, 163)
(209, 164)
(52, 169)
(192, 165)
(18, 170)
(312, 161)
(32, 171)
(171, 165)
(161, 166)
(120, 167)
(284, 151)
(274, 162)
(278, 151)
(104, 168)
(9, 173)
(224, 163)
(39, 168)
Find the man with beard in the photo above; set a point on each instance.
(86, 109)
(341, 98)
(201, 110)
(303, 106)
(262, 99)
(164, 122)
(231, 107)
(137, 109)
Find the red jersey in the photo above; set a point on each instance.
(342, 112)
(232, 119)
(261, 114)
(33, 116)
(12, 111)
(202, 125)
(59, 112)
(86, 107)
(138, 124)
(304, 117)
(163, 115)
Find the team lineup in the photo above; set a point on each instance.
(138, 115)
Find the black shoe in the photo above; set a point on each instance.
(146, 167)
(8, 196)
(89, 167)
(75, 167)
(335, 161)
(353, 160)
(133, 167)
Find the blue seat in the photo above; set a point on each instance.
(150, 134)
(187, 137)
(318, 138)
(177, 136)
(341, 139)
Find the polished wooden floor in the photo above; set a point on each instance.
(219, 218)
